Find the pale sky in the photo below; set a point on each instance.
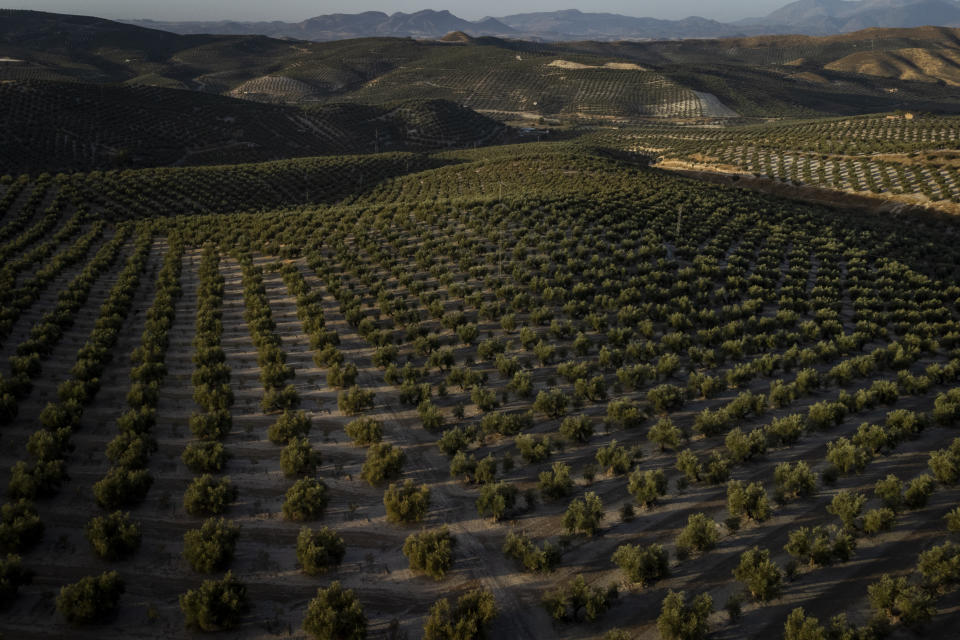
(296, 10)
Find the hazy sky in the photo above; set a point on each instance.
(296, 10)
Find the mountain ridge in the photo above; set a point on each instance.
(802, 17)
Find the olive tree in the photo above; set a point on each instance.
(552, 403)
(211, 547)
(684, 620)
(584, 514)
(761, 575)
(208, 496)
(576, 428)
(384, 462)
(468, 620)
(430, 552)
(406, 503)
(940, 566)
(666, 434)
(354, 400)
(496, 499)
(216, 605)
(305, 500)
(20, 526)
(556, 483)
(122, 487)
(520, 547)
(800, 626)
(794, 481)
(298, 458)
(113, 536)
(900, 601)
(642, 565)
(747, 501)
(335, 613)
(12, 577)
(364, 431)
(648, 486)
(699, 535)
(848, 505)
(576, 600)
(318, 551)
(820, 545)
(205, 457)
(290, 425)
(91, 599)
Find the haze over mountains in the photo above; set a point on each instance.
(810, 17)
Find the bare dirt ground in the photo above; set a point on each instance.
(713, 108)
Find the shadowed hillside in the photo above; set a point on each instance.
(62, 126)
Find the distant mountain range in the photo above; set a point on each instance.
(809, 17)
(827, 17)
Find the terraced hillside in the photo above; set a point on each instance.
(559, 393)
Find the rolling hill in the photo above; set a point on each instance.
(906, 64)
(763, 76)
(60, 126)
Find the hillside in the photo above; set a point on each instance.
(823, 17)
(588, 81)
(884, 161)
(923, 65)
(492, 76)
(854, 73)
(509, 378)
(55, 126)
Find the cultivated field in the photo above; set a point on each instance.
(555, 386)
(900, 156)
